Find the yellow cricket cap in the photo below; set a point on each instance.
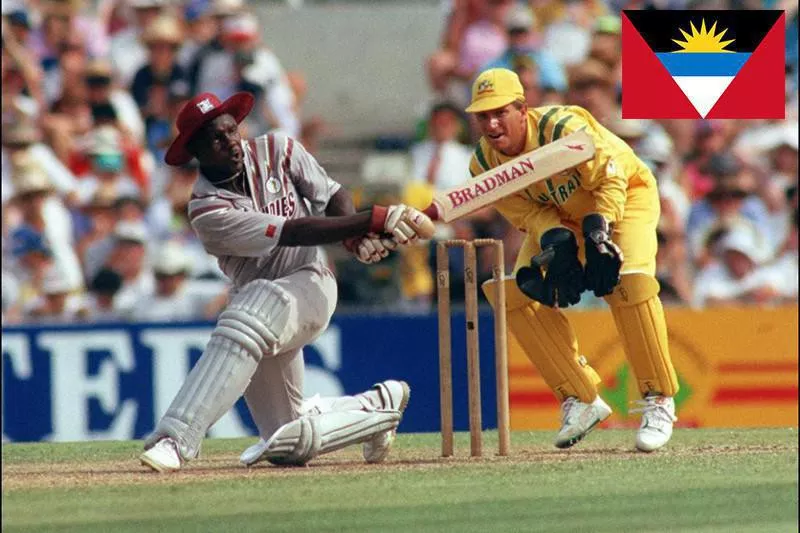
(495, 88)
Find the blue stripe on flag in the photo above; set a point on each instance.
(702, 64)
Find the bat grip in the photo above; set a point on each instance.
(432, 211)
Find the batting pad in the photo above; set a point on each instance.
(301, 440)
(248, 329)
(642, 327)
(549, 341)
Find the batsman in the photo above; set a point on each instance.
(593, 228)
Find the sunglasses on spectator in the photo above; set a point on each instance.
(737, 194)
(98, 81)
(587, 84)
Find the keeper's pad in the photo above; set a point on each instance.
(547, 338)
(299, 441)
(642, 327)
(247, 330)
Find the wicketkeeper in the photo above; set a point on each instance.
(596, 224)
(263, 206)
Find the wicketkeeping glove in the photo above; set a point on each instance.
(603, 257)
(563, 282)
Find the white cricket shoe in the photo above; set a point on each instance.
(658, 415)
(578, 419)
(163, 456)
(394, 395)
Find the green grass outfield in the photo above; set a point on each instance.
(706, 480)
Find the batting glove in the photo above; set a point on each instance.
(371, 248)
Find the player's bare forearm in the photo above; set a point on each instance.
(313, 231)
(340, 204)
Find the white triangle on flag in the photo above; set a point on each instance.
(703, 91)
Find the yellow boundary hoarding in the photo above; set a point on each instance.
(737, 368)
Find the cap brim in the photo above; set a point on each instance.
(238, 106)
(489, 103)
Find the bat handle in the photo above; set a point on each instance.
(432, 211)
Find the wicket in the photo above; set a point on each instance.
(473, 355)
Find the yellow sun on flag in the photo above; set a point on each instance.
(703, 41)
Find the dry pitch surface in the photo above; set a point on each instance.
(707, 480)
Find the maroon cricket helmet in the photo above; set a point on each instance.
(197, 112)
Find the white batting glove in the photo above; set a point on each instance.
(371, 248)
(396, 223)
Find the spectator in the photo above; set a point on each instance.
(102, 90)
(482, 40)
(22, 95)
(95, 221)
(784, 268)
(606, 45)
(150, 87)
(12, 314)
(59, 302)
(24, 136)
(98, 305)
(201, 29)
(523, 42)
(591, 86)
(657, 150)
(167, 219)
(441, 160)
(19, 25)
(128, 53)
(176, 297)
(70, 114)
(244, 64)
(108, 167)
(128, 257)
(129, 209)
(731, 201)
(736, 277)
(220, 10)
(710, 139)
(568, 28)
(32, 259)
(62, 20)
(528, 72)
(43, 212)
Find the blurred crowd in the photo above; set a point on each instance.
(94, 224)
(728, 229)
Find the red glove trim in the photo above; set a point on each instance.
(378, 219)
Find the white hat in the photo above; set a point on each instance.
(28, 175)
(171, 260)
(782, 135)
(130, 231)
(105, 140)
(241, 27)
(144, 4)
(55, 282)
(656, 146)
(744, 240)
(520, 18)
(226, 7)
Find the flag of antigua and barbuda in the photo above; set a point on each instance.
(703, 64)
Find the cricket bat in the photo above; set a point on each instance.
(511, 177)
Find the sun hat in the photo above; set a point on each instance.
(199, 111)
(495, 88)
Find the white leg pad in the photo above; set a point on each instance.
(247, 330)
(301, 440)
(256, 317)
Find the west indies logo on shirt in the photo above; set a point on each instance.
(703, 64)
